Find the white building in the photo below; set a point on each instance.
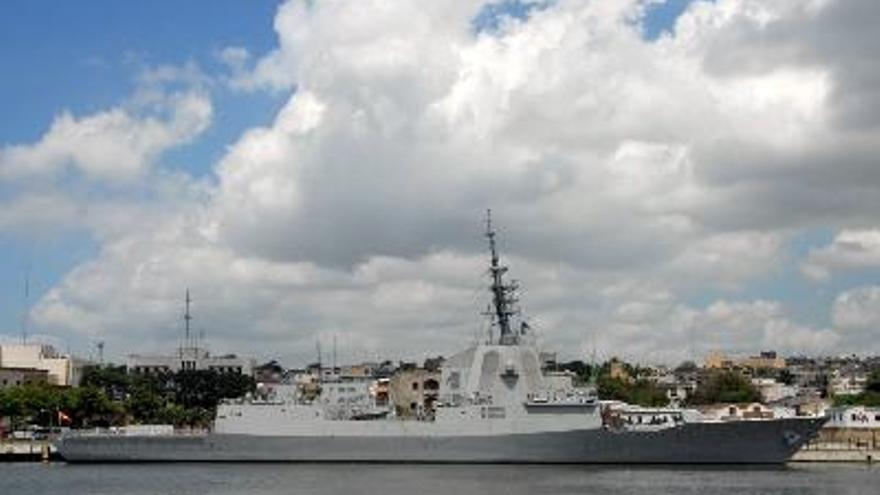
(559, 380)
(852, 383)
(734, 412)
(773, 391)
(189, 358)
(854, 417)
(62, 369)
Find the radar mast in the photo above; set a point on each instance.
(503, 294)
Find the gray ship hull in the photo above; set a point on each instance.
(752, 442)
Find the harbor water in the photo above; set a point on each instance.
(327, 479)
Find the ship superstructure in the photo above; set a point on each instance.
(494, 405)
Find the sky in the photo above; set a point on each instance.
(668, 178)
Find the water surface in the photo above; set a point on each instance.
(326, 479)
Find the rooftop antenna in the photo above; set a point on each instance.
(26, 310)
(334, 355)
(320, 368)
(594, 373)
(187, 317)
(100, 346)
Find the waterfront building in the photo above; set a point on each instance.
(341, 397)
(847, 382)
(559, 380)
(807, 372)
(414, 391)
(755, 410)
(851, 428)
(360, 370)
(772, 390)
(13, 377)
(854, 417)
(61, 369)
(381, 391)
(189, 358)
(766, 360)
(191, 355)
(617, 371)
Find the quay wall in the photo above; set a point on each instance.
(831, 455)
(842, 445)
(27, 450)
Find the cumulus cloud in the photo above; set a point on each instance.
(856, 312)
(858, 308)
(118, 144)
(626, 174)
(37, 212)
(850, 250)
(100, 172)
(659, 328)
(740, 326)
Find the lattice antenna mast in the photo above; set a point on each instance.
(320, 366)
(187, 318)
(27, 300)
(503, 295)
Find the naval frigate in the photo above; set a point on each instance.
(495, 405)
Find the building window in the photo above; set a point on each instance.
(415, 385)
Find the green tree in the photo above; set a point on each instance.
(639, 392)
(94, 408)
(582, 371)
(11, 405)
(873, 383)
(32, 404)
(725, 387)
(113, 380)
(148, 397)
(108, 396)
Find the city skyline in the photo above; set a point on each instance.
(668, 178)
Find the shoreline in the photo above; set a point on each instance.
(28, 451)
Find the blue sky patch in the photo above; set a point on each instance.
(493, 15)
(660, 17)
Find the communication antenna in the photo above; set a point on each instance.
(594, 372)
(491, 324)
(320, 368)
(334, 356)
(100, 346)
(25, 312)
(503, 294)
(187, 317)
